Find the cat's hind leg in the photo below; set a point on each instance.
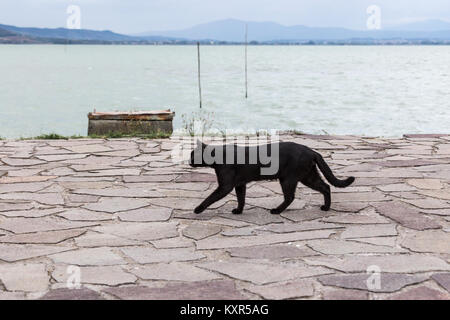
(315, 182)
(289, 186)
(240, 193)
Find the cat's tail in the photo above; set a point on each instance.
(323, 166)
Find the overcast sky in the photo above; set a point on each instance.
(134, 16)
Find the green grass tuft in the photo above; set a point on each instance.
(77, 136)
(112, 135)
(49, 136)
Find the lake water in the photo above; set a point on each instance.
(365, 90)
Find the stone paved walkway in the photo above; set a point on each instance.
(121, 211)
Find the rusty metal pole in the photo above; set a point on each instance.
(199, 75)
(246, 63)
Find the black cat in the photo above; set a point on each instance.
(235, 166)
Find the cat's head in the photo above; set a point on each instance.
(197, 156)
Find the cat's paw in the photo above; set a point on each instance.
(325, 208)
(275, 211)
(237, 211)
(199, 210)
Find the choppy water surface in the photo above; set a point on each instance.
(374, 91)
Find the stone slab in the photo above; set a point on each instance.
(273, 252)
(443, 279)
(406, 215)
(48, 237)
(146, 215)
(388, 282)
(220, 242)
(108, 276)
(364, 231)
(174, 272)
(94, 239)
(198, 231)
(421, 293)
(338, 247)
(260, 274)
(433, 241)
(141, 231)
(72, 294)
(24, 277)
(291, 290)
(89, 257)
(85, 215)
(387, 263)
(344, 294)
(145, 255)
(202, 290)
(24, 225)
(114, 205)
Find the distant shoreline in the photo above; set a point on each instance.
(228, 32)
(312, 43)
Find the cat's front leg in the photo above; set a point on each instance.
(288, 186)
(199, 209)
(220, 193)
(240, 193)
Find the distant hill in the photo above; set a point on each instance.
(78, 35)
(6, 33)
(233, 30)
(425, 25)
(8, 37)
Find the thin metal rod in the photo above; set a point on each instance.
(246, 61)
(199, 75)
